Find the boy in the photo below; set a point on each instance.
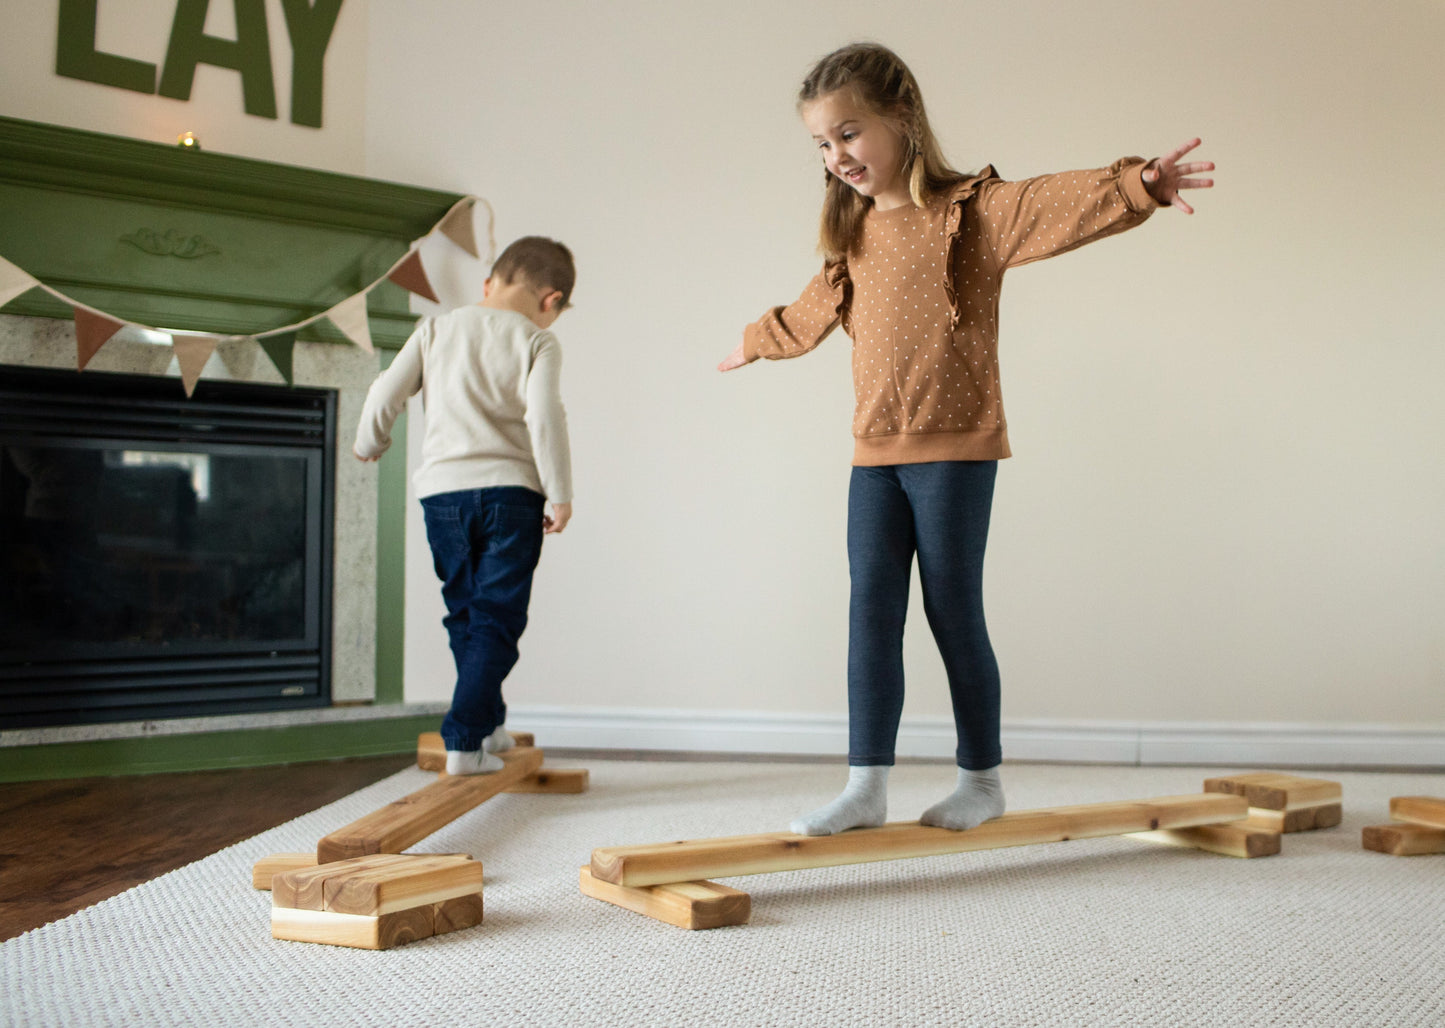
(495, 451)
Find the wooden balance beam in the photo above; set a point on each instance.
(667, 881)
(431, 755)
(406, 821)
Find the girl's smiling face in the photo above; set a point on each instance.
(859, 148)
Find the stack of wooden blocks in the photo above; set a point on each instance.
(1418, 828)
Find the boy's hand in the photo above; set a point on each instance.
(1165, 176)
(557, 520)
(733, 360)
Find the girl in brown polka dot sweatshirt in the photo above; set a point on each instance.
(914, 260)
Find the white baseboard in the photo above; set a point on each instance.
(1085, 742)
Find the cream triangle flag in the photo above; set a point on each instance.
(457, 226)
(350, 316)
(192, 352)
(14, 281)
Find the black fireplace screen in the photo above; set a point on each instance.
(159, 556)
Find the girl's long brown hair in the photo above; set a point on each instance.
(882, 85)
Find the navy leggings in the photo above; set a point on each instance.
(940, 512)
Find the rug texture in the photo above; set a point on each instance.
(1090, 932)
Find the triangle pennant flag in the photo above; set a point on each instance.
(350, 316)
(410, 274)
(92, 331)
(457, 226)
(13, 281)
(192, 352)
(281, 348)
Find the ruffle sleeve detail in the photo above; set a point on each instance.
(959, 195)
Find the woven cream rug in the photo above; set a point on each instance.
(1092, 932)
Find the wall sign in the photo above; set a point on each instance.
(308, 24)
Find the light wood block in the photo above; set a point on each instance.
(305, 887)
(561, 780)
(355, 930)
(412, 818)
(1302, 819)
(692, 905)
(264, 869)
(455, 914)
(1236, 839)
(1419, 810)
(702, 859)
(421, 880)
(431, 752)
(1274, 790)
(1404, 840)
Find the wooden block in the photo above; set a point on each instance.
(455, 914)
(702, 859)
(1275, 790)
(1236, 839)
(554, 780)
(384, 890)
(1404, 840)
(412, 818)
(692, 905)
(1303, 819)
(431, 752)
(305, 887)
(1419, 810)
(264, 869)
(358, 931)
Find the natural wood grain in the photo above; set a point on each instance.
(1275, 790)
(419, 880)
(278, 863)
(700, 859)
(1404, 840)
(1419, 810)
(67, 844)
(305, 887)
(556, 781)
(1236, 839)
(455, 914)
(1301, 819)
(357, 931)
(692, 905)
(412, 818)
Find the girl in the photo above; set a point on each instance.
(914, 256)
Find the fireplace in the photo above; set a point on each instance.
(162, 556)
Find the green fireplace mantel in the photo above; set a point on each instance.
(182, 239)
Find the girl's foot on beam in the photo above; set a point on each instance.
(978, 798)
(863, 804)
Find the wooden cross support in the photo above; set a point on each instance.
(1419, 829)
(1284, 803)
(377, 901)
(668, 881)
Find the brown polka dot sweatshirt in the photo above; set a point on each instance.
(919, 297)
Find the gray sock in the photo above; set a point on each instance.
(499, 741)
(978, 798)
(863, 804)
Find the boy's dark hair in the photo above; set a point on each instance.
(544, 263)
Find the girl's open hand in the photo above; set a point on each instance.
(1165, 176)
(733, 360)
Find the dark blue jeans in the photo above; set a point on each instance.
(939, 511)
(485, 544)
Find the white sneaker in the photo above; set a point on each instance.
(472, 762)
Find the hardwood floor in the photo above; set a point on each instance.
(65, 845)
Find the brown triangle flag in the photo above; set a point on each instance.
(92, 331)
(192, 352)
(457, 226)
(410, 274)
(281, 348)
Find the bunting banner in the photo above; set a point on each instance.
(281, 348)
(92, 331)
(350, 316)
(409, 274)
(94, 328)
(14, 281)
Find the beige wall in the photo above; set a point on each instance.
(1225, 504)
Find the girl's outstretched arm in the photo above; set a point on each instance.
(736, 359)
(1165, 176)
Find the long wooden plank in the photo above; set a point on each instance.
(701, 859)
(278, 863)
(412, 818)
(1419, 810)
(691, 905)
